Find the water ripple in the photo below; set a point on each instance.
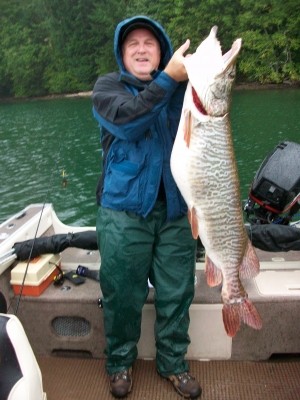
(40, 139)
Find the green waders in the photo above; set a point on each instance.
(132, 250)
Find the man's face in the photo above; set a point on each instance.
(141, 53)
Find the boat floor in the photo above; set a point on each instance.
(82, 379)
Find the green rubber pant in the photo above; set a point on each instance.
(132, 250)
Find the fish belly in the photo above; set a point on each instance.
(180, 160)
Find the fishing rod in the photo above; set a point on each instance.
(29, 258)
(11, 255)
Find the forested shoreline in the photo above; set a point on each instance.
(54, 47)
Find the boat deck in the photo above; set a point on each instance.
(85, 379)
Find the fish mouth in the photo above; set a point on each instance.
(211, 75)
(230, 57)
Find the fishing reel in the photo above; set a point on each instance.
(274, 197)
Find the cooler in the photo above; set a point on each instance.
(40, 274)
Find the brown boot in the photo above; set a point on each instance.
(186, 385)
(120, 383)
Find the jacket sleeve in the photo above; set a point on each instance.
(126, 115)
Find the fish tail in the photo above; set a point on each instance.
(235, 313)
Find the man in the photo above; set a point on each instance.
(142, 228)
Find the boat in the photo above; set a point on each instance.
(56, 320)
(65, 321)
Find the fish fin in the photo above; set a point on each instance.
(187, 128)
(249, 267)
(213, 273)
(194, 222)
(234, 314)
(231, 319)
(189, 216)
(250, 315)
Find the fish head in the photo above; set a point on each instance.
(211, 75)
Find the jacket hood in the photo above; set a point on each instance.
(165, 43)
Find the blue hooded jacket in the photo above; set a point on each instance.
(138, 122)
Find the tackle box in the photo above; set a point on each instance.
(40, 274)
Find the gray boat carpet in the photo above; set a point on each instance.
(85, 379)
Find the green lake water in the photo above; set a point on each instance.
(41, 138)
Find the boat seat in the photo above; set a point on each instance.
(20, 375)
(3, 304)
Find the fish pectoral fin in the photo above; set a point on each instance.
(234, 314)
(194, 222)
(187, 127)
(190, 216)
(249, 267)
(214, 275)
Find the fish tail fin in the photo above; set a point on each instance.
(234, 314)
(249, 267)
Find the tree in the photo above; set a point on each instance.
(270, 40)
(106, 16)
(71, 45)
(23, 41)
(59, 46)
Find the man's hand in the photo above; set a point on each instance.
(175, 68)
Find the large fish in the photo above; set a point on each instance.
(204, 168)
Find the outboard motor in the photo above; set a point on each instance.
(275, 192)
